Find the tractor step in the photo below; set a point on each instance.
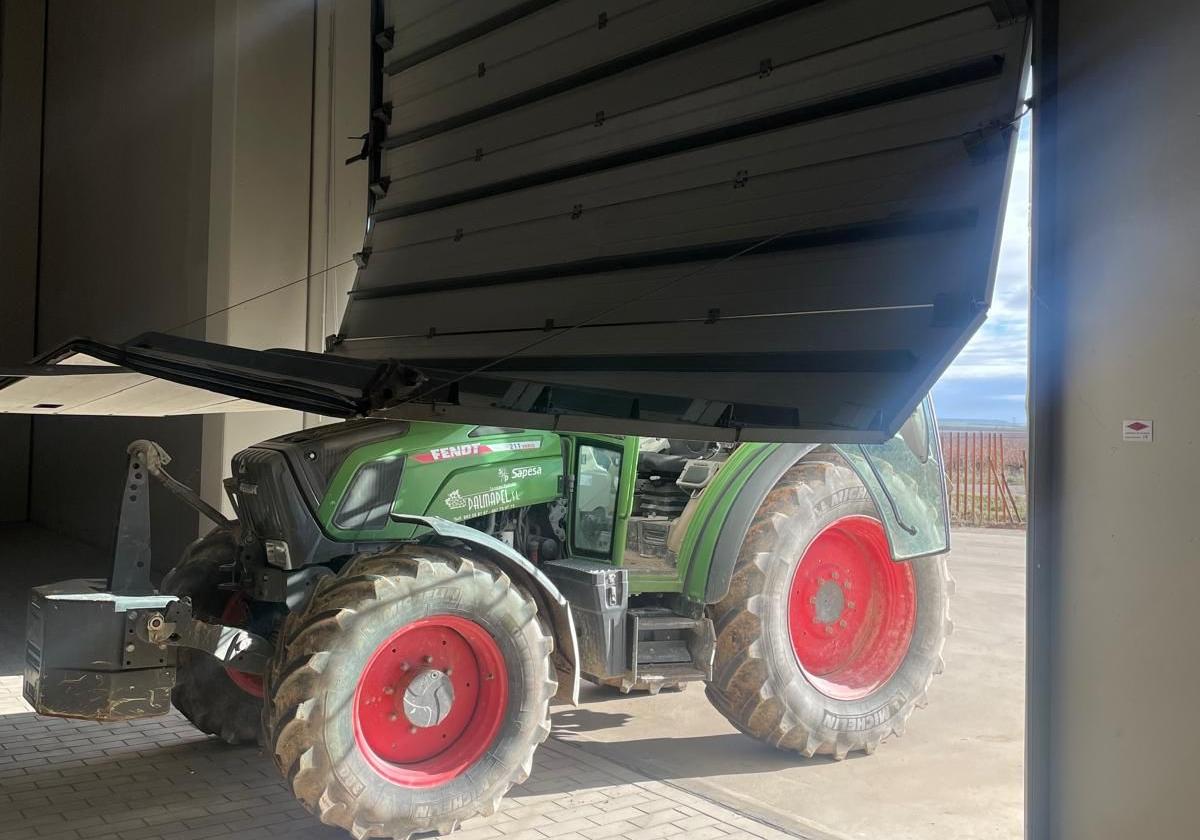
(667, 650)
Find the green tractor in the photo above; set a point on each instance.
(397, 603)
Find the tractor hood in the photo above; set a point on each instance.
(729, 220)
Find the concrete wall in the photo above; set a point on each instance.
(290, 86)
(124, 236)
(21, 28)
(260, 192)
(1117, 337)
(193, 162)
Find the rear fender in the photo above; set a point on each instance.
(551, 603)
(908, 492)
(751, 487)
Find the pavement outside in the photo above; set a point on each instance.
(636, 768)
(957, 772)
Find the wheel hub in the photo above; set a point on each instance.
(428, 698)
(851, 609)
(830, 601)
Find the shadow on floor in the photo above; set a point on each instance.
(585, 720)
(160, 778)
(693, 757)
(145, 779)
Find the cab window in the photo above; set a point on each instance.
(598, 471)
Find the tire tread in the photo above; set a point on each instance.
(741, 688)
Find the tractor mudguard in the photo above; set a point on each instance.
(737, 522)
(517, 567)
(908, 491)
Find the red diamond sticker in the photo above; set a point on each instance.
(1137, 431)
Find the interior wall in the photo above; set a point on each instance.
(341, 102)
(124, 238)
(1116, 337)
(194, 164)
(258, 215)
(286, 213)
(21, 29)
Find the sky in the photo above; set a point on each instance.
(987, 380)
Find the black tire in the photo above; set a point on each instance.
(204, 691)
(325, 648)
(758, 683)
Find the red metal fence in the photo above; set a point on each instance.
(986, 484)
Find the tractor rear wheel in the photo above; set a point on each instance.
(218, 700)
(410, 692)
(825, 645)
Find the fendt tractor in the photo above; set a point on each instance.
(632, 376)
(397, 604)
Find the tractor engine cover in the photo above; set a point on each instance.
(86, 658)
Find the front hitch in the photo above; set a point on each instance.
(106, 650)
(231, 646)
(155, 459)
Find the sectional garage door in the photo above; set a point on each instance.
(729, 219)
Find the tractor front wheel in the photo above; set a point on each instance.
(410, 693)
(825, 645)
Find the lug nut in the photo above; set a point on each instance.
(829, 628)
(834, 576)
(403, 666)
(387, 689)
(428, 660)
(849, 605)
(813, 600)
(449, 671)
(842, 623)
(412, 730)
(392, 716)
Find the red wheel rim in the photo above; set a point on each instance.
(237, 614)
(430, 701)
(851, 609)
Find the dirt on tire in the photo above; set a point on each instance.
(758, 684)
(311, 683)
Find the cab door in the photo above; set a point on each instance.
(602, 470)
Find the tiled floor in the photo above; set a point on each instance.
(160, 778)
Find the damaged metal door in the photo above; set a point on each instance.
(771, 220)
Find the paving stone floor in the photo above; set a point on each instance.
(160, 778)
